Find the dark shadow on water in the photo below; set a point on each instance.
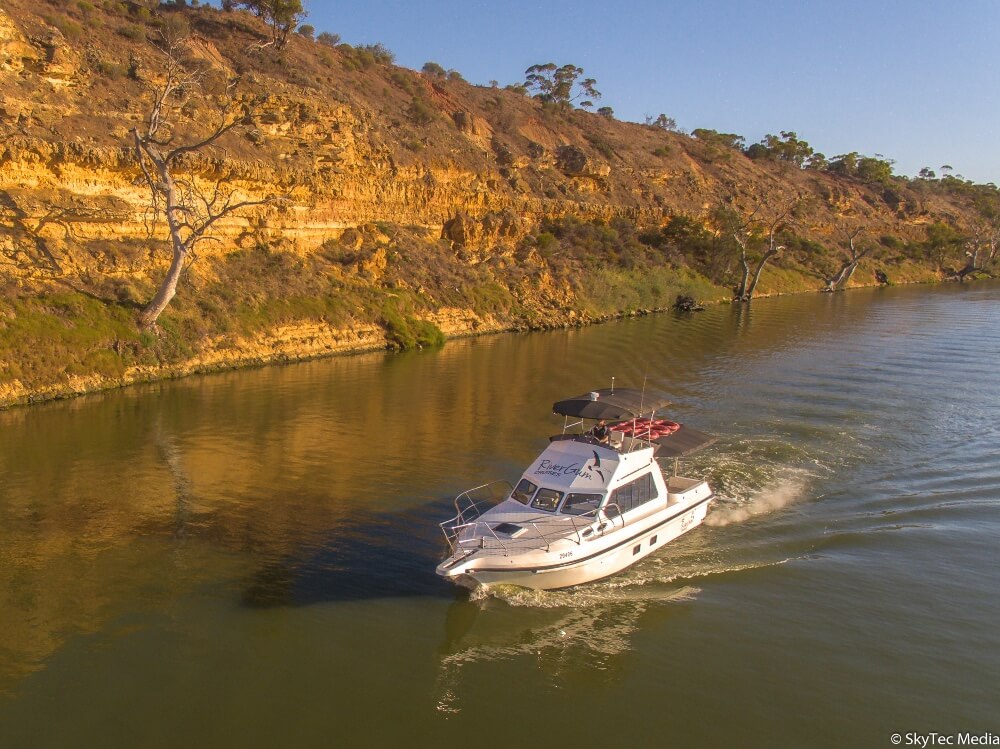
(379, 556)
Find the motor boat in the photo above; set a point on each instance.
(594, 502)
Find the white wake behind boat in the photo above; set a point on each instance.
(588, 507)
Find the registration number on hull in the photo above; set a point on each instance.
(687, 521)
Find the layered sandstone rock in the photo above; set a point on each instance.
(343, 144)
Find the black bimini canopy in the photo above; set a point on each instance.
(628, 405)
(684, 441)
(613, 405)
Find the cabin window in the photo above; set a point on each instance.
(524, 491)
(580, 504)
(634, 493)
(547, 499)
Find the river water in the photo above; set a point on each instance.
(247, 559)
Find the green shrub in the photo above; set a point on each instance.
(405, 333)
(380, 53)
(135, 33)
(602, 147)
(402, 80)
(546, 241)
(68, 27)
(356, 58)
(420, 111)
(110, 70)
(434, 70)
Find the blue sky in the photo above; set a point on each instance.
(914, 81)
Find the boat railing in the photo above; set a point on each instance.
(472, 503)
(465, 531)
(479, 534)
(618, 513)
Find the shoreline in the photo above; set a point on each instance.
(310, 341)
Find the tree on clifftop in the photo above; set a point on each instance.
(281, 17)
(560, 85)
(164, 147)
(787, 147)
(662, 121)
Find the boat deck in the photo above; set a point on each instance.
(518, 531)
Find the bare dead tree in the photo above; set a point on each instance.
(190, 210)
(850, 263)
(756, 235)
(980, 249)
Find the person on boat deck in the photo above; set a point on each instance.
(600, 432)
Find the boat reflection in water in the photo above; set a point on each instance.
(579, 636)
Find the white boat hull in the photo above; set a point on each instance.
(572, 561)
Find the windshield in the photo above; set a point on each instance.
(580, 504)
(524, 491)
(546, 499)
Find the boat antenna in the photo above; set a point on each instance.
(642, 398)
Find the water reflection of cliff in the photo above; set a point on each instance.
(129, 499)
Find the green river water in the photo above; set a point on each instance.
(247, 559)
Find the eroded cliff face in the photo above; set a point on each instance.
(347, 149)
(353, 148)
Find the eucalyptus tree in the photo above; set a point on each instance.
(281, 17)
(854, 255)
(662, 121)
(561, 85)
(165, 149)
(980, 248)
(786, 147)
(756, 232)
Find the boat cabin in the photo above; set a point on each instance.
(576, 477)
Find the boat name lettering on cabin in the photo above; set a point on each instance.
(548, 468)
